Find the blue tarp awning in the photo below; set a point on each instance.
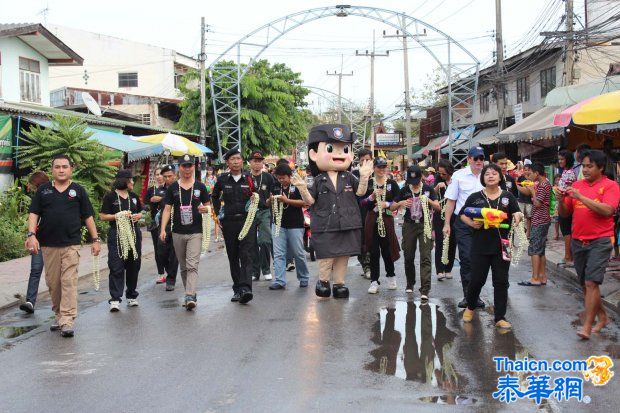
(135, 150)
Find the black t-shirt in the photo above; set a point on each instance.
(110, 205)
(510, 185)
(263, 184)
(155, 207)
(292, 217)
(391, 192)
(524, 199)
(194, 196)
(487, 241)
(406, 193)
(61, 214)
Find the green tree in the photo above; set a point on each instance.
(273, 114)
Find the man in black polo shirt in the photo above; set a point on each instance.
(61, 206)
(154, 196)
(165, 250)
(263, 182)
(235, 189)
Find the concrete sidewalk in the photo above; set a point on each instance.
(14, 274)
(610, 289)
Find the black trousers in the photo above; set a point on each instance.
(480, 265)
(463, 235)
(158, 260)
(380, 248)
(240, 253)
(123, 272)
(168, 257)
(440, 267)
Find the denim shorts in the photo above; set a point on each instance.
(538, 239)
(591, 258)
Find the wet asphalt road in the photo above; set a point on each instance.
(288, 351)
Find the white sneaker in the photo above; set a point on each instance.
(268, 277)
(448, 275)
(115, 306)
(374, 288)
(132, 302)
(424, 297)
(392, 283)
(441, 276)
(367, 275)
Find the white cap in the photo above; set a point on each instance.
(527, 162)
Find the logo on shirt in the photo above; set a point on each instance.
(426, 193)
(264, 187)
(196, 193)
(72, 193)
(46, 192)
(348, 188)
(135, 201)
(508, 184)
(389, 187)
(292, 189)
(504, 202)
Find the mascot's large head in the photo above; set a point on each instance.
(329, 148)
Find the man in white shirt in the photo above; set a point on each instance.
(465, 182)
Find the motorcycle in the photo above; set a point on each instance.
(308, 236)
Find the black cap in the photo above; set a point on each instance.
(331, 133)
(186, 160)
(257, 155)
(123, 173)
(414, 175)
(166, 168)
(231, 152)
(379, 162)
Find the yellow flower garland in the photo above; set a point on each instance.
(206, 229)
(428, 232)
(126, 236)
(251, 214)
(380, 198)
(445, 251)
(278, 210)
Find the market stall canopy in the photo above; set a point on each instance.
(177, 145)
(482, 137)
(596, 110)
(433, 145)
(569, 95)
(539, 125)
(113, 140)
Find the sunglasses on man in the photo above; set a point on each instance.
(479, 158)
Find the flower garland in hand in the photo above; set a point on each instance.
(277, 207)
(251, 214)
(519, 231)
(380, 198)
(206, 229)
(126, 235)
(96, 272)
(428, 233)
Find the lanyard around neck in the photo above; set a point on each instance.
(191, 190)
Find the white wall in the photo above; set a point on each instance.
(106, 56)
(12, 49)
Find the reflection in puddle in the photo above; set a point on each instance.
(414, 344)
(449, 399)
(12, 332)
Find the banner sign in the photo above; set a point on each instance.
(6, 144)
(387, 139)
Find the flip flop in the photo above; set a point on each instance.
(528, 284)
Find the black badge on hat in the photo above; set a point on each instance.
(414, 175)
(186, 160)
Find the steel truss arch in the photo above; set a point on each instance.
(456, 62)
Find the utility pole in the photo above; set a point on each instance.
(569, 60)
(372, 56)
(407, 106)
(203, 97)
(499, 66)
(339, 86)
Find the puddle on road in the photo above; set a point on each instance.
(8, 332)
(449, 399)
(414, 344)
(174, 303)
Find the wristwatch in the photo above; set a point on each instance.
(97, 239)
(30, 234)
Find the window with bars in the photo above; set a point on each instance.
(523, 89)
(29, 80)
(547, 81)
(484, 102)
(145, 118)
(129, 79)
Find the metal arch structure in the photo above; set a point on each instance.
(456, 62)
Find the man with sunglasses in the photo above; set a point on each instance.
(465, 182)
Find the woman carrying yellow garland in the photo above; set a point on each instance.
(444, 270)
(417, 198)
(122, 209)
(490, 247)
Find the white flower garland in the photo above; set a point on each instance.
(126, 235)
(445, 250)
(206, 229)
(278, 210)
(428, 232)
(251, 214)
(519, 231)
(96, 273)
(380, 198)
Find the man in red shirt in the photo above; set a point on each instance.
(592, 201)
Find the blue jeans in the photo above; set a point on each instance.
(36, 268)
(290, 242)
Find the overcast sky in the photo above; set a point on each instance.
(315, 47)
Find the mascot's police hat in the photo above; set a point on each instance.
(331, 133)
